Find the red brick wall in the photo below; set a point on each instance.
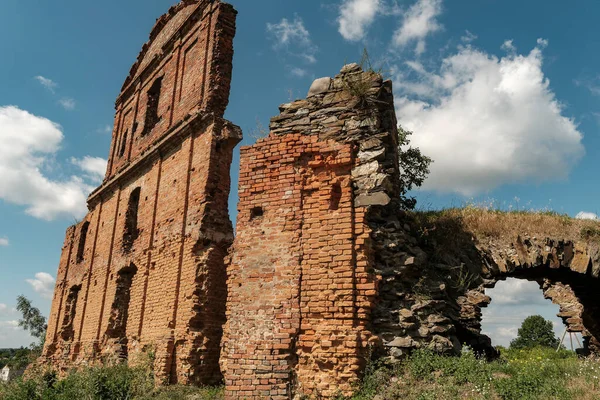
(176, 298)
(300, 290)
(191, 49)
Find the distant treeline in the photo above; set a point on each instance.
(14, 358)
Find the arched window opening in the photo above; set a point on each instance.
(152, 117)
(82, 239)
(119, 314)
(67, 331)
(131, 231)
(123, 144)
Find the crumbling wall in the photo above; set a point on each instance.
(326, 270)
(432, 294)
(300, 284)
(150, 276)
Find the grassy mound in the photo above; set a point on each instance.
(518, 375)
(486, 222)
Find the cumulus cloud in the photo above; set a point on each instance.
(67, 103)
(3, 308)
(487, 121)
(587, 215)
(294, 38)
(4, 242)
(27, 144)
(93, 167)
(419, 22)
(43, 284)
(47, 83)
(356, 16)
(518, 291)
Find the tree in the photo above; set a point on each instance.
(32, 321)
(535, 331)
(414, 168)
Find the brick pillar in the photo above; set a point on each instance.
(300, 294)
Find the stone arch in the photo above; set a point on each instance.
(566, 275)
(435, 270)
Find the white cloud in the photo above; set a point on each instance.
(11, 324)
(356, 16)
(591, 84)
(4, 242)
(468, 37)
(298, 72)
(508, 46)
(27, 144)
(94, 167)
(487, 121)
(106, 129)
(43, 284)
(294, 38)
(3, 308)
(67, 103)
(587, 215)
(518, 291)
(419, 21)
(47, 83)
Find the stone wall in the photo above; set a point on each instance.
(301, 289)
(144, 271)
(326, 271)
(432, 294)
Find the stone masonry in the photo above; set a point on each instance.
(301, 290)
(144, 271)
(326, 271)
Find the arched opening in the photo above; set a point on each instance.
(82, 239)
(123, 146)
(513, 300)
(67, 331)
(152, 117)
(119, 314)
(131, 232)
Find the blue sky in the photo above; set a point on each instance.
(503, 95)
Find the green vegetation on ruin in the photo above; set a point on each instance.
(526, 374)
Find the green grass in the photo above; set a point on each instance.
(102, 383)
(518, 375)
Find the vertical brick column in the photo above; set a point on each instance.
(300, 292)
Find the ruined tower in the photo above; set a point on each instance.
(144, 270)
(301, 285)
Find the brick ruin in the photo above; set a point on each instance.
(144, 270)
(326, 271)
(301, 282)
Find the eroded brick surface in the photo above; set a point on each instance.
(300, 290)
(144, 271)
